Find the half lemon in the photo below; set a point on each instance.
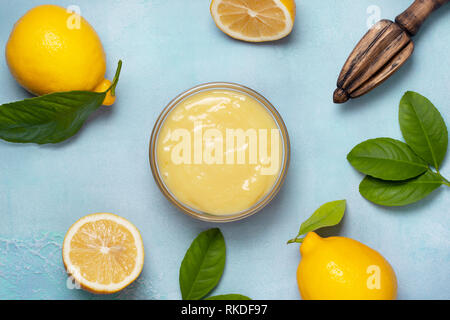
(103, 252)
(254, 20)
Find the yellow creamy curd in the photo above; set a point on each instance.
(219, 151)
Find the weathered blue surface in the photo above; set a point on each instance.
(169, 46)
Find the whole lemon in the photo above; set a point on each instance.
(339, 268)
(53, 50)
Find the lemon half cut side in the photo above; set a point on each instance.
(254, 20)
(103, 252)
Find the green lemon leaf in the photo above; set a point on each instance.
(47, 119)
(327, 215)
(423, 128)
(51, 118)
(231, 296)
(399, 193)
(203, 264)
(386, 159)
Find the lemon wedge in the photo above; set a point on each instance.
(254, 20)
(103, 252)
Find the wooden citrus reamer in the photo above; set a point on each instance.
(382, 51)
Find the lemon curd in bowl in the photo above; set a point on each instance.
(219, 152)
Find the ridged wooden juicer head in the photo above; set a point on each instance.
(382, 51)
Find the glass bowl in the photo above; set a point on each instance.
(284, 161)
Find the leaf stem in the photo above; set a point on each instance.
(112, 88)
(444, 180)
(295, 240)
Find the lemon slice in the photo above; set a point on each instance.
(103, 252)
(254, 20)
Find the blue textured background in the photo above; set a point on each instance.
(170, 46)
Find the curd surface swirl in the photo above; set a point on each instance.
(219, 151)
